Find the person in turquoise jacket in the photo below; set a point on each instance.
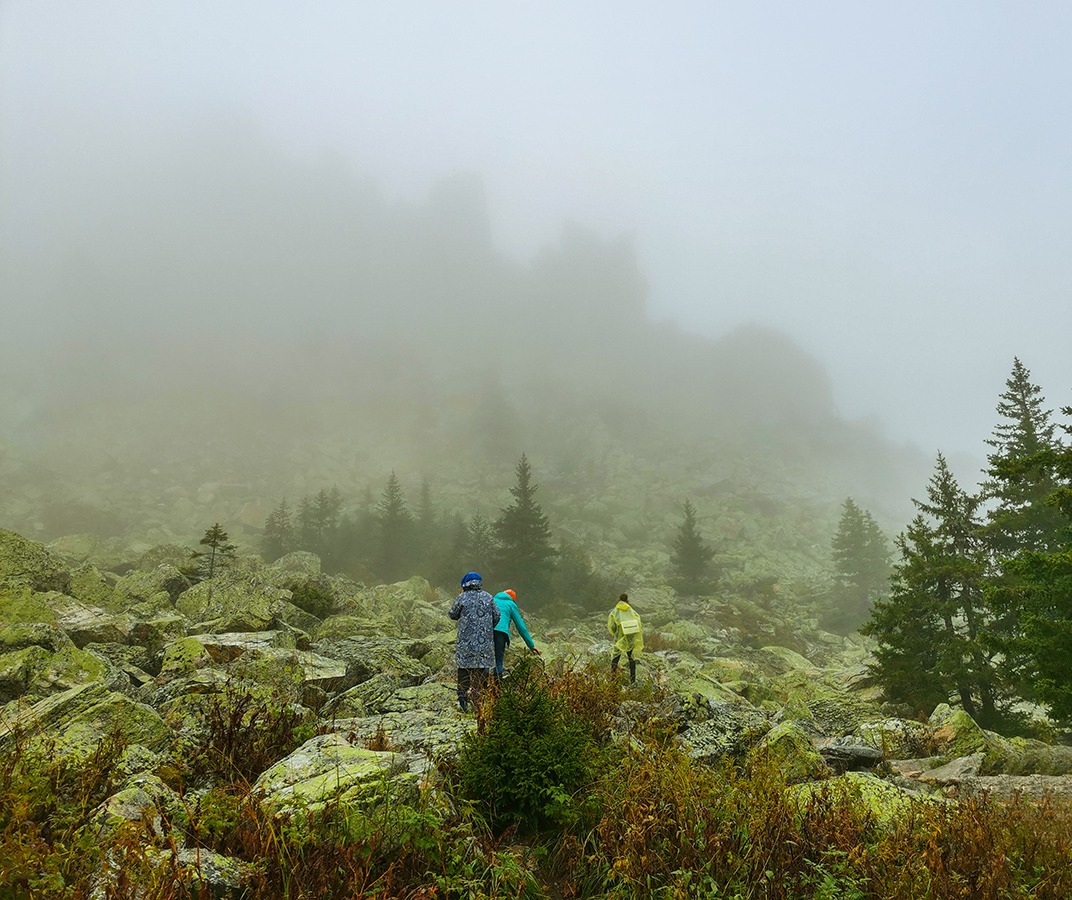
(507, 603)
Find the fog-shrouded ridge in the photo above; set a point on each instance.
(214, 312)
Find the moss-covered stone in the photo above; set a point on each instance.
(790, 749)
(43, 661)
(886, 802)
(25, 563)
(340, 627)
(329, 768)
(142, 586)
(77, 720)
(184, 656)
(89, 624)
(228, 603)
(300, 562)
(366, 658)
(896, 738)
(20, 604)
(90, 587)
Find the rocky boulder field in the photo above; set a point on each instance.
(361, 678)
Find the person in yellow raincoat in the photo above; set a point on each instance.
(625, 627)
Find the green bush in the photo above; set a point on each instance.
(313, 596)
(533, 757)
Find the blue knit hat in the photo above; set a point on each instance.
(471, 580)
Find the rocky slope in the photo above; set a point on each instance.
(366, 674)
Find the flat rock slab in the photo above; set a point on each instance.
(954, 771)
(846, 756)
(329, 767)
(1055, 789)
(77, 721)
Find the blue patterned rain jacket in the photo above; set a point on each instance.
(476, 615)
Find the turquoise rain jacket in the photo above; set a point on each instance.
(510, 614)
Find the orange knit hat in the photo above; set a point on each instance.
(513, 596)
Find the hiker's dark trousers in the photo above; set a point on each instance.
(502, 641)
(470, 686)
(632, 665)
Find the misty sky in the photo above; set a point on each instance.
(890, 184)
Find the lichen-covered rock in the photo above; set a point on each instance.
(414, 606)
(228, 603)
(182, 657)
(954, 771)
(329, 768)
(790, 659)
(174, 556)
(365, 658)
(296, 669)
(366, 699)
(887, 802)
(89, 624)
(90, 587)
(136, 662)
(1055, 789)
(731, 730)
(75, 548)
(790, 749)
(156, 631)
(896, 738)
(19, 604)
(144, 798)
(141, 586)
(225, 648)
(340, 627)
(77, 720)
(25, 563)
(42, 660)
(300, 562)
(420, 735)
(846, 755)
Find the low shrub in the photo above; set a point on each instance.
(535, 753)
(244, 733)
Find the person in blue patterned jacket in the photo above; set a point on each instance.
(477, 615)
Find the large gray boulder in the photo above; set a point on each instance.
(331, 768)
(731, 730)
(27, 564)
(38, 660)
(232, 603)
(75, 722)
(365, 658)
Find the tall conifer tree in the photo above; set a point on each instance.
(1021, 519)
(278, 539)
(1034, 593)
(692, 555)
(861, 558)
(394, 560)
(525, 560)
(933, 629)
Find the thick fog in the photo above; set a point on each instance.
(193, 191)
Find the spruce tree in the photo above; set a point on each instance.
(1021, 518)
(692, 555)
(861, 559)
(278, 538)
(933, 631)
(525, 559)
(220, 553)
(1034, 594)
(395, 558)
(481, 547)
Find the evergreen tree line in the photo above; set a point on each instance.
(387, 541)
(979, 608)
